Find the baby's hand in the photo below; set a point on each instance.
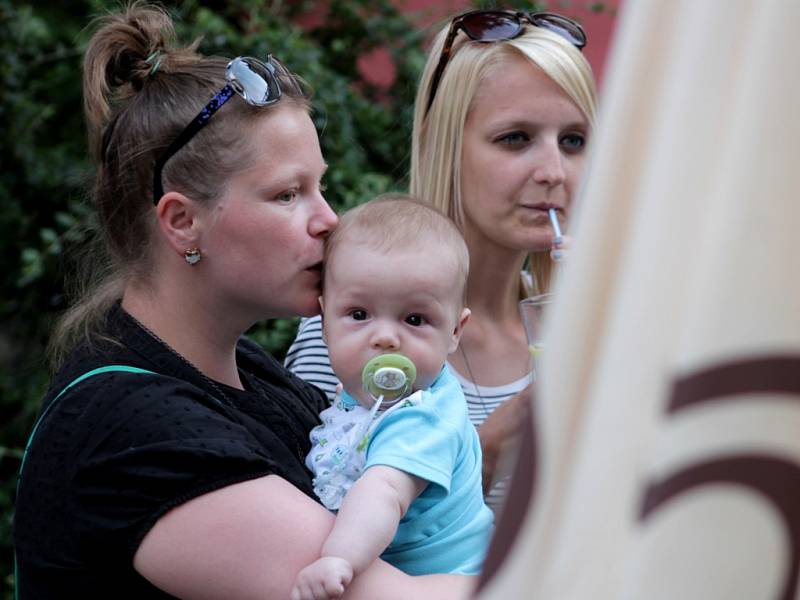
(324, 579)
(559, 251)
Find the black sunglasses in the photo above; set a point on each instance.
(257, 82)
(498, 25)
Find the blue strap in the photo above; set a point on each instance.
(77, 380)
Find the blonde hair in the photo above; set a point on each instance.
(396, 220)
(437, 140)
(140, 90)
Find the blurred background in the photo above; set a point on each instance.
(362, 58)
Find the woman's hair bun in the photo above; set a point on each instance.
(127, 49)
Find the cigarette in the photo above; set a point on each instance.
(554, 223)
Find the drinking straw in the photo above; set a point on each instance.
(554, 223)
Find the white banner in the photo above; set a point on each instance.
(667, 423)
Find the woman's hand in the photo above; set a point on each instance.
(499, 430)
(560, 250)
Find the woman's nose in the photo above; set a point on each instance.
(323, 220)
(548, 166)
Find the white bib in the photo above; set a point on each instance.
(339, 445)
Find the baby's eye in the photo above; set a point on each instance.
(415, 320)
(358, 314)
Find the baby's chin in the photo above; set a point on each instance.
(361, 395)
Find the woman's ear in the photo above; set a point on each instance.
(177, 219)
(459, 329)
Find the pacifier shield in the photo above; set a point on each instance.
(389, 375)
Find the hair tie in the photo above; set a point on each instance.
(155, 60)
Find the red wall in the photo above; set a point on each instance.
(599, 27)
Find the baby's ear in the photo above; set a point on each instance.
(459, 329)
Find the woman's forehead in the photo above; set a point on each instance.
(282, 142)
(520, 90)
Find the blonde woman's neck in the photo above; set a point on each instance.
(493, 287)
(493, 348)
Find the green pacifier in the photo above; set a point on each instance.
(389, 375)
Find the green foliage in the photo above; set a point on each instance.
(364, 131)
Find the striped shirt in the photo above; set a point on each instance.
(308, 359)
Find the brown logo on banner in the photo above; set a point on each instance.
(776, 479)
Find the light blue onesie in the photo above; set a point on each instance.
(447, 527)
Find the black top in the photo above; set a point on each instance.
(119, 450)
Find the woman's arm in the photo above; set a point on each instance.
(499, 431)
(249, 540)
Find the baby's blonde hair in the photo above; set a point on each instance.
(396, 220)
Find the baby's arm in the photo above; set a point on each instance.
(365, 526)
(370, 513)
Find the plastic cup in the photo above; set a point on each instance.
(533, 311)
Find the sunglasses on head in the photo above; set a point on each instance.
(257, 82)
(498, 25)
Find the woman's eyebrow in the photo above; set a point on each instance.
(535, 124)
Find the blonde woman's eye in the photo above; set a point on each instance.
(514, 138)
(573, 142)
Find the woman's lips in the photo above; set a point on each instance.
(544, 207)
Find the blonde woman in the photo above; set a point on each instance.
(503, 115)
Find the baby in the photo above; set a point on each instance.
(404, 472)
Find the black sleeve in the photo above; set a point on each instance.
(158, 445)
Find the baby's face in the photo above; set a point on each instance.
(403, 301)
